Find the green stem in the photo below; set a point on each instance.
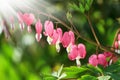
(77, 33)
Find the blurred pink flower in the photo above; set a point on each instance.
(56, 38)
(77, 52)
(93, 60)
(20, 19)
(98, 59)
(38, 27)
(102, 60)
(28, 19)
(49, 28)
(12, 22)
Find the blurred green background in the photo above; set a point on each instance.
(26, 59)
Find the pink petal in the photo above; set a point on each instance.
(38, 27)
(59, 31)
(102, 60)
(12, 19)
(72, 37)
(108, 54)
(81, 51)
(55, 37)
(28, 18)
(20, 17)
(49, 28)
(119, 36)
(116, 44)
(93, 60)
(73, 53)
(66, 39)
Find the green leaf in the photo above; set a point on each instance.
(114, 76)
(69, 16)
(74, 72)
(74, 7)
(87, 7)
(88, 77)
(113, 68)
(71, 75)
(81, 7)
(94, 70)
(89, 2)
(49, 78)
(75, 69)
(104, 78)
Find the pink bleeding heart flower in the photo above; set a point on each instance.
(49, 29)
(38, 27)
(77, 52)
(12, 22)
(56, 38)
(98, 59)
(68, 40)
(20, 19)
(28, 19)
(93, 60)
(102, 60)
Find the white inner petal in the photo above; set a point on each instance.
(49, 40)
(57, 46)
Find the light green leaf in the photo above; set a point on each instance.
(104, 78)
(88, 77)
(82, 9)
(69, 15)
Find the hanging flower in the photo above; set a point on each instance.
(38, 27)
(98, 59)
(12, 22)
(20, 19)
(93, 60)
(102, 60)
(68, 40)
(28, 19)
(56, 38)
(49, 29)
(77, 53)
